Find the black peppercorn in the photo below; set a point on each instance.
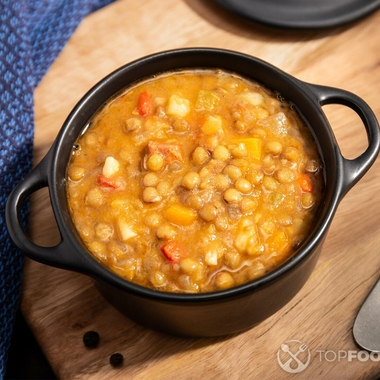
(116, 360)
(91, 339)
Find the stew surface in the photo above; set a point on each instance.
(194, 181)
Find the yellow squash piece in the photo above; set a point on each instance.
(180, 215)
(253, 145)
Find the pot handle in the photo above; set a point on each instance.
(59, 256)
(354, 169)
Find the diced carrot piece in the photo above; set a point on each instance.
(180, 215)
(170, 151)
(173, 251)
(145, 104)
(306, 183)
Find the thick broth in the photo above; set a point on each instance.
(194, 181)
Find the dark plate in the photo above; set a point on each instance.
(305, 14)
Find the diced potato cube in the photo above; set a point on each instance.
(110, 167)
(213, 125)
(277, 124)
(181, 215)
(126, 231)
(253, 98)
(178, 106)
(211, 258)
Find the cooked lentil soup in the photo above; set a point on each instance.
(194, 181)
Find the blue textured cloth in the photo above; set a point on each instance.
(32, 33)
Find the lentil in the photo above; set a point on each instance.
(155, 162)
(191, 180)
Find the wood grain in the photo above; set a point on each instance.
(60, 306)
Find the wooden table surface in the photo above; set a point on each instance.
(60, 305)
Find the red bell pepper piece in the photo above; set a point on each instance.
(145, 104)
(173, 251)
(306, 183)
(106, 182)
(170, 151)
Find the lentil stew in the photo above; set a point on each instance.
(194, 181)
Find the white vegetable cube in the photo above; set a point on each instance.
(110, 167)
(126, 231)
(211, 258)
(253, 98)
(178, 106)
(278, 124)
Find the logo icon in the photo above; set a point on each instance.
(293, 356)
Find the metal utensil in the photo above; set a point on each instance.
(366, 329)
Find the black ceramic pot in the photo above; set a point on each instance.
(208, 314)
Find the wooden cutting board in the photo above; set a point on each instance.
(60, 305)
